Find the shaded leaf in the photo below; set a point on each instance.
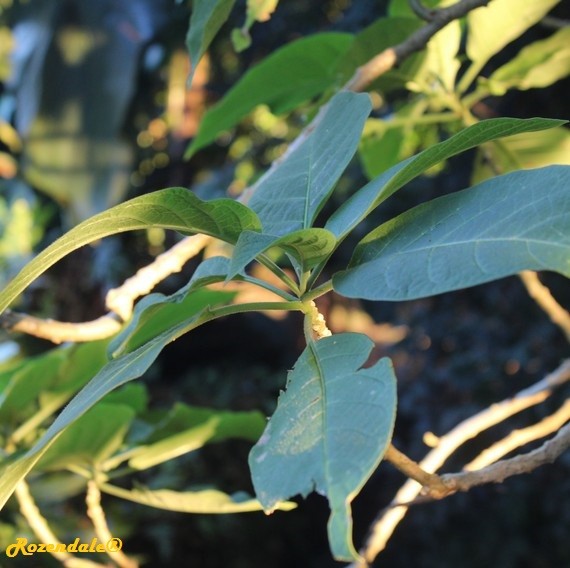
(206, 501)
(289, 196)
(116, 373)
(176, 208)
(537, 65)
(307, 246)
(186, 429)
(329, 432)
(289, 76)
(207, 18)
(91, 438)
(156, 313)
(519, 221)
(492, 27)
(357, 207)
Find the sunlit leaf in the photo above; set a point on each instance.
(537, 65)
(329, 432)
(205, 501)
(283, 80)
(176, 208)
(289, 195)
(519, 221)
(492, 27)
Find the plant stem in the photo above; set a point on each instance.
(97, 516)
(320, 290)
(42, 530)
(280, 273)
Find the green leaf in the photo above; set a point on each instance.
(378, 190)
(186, 429)
(27, 382)
(523, 151)
(207, 18)
(176, 208)
(492, 27)
(519, 221)
(289, 196)
(291, 75)
(307, 246)
(206, 501)
(537, 65)
(156, 313)
(329, 432)
(116, 373)
(91, 439)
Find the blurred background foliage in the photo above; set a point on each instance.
(95, 108)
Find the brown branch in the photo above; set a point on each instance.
(518, 438)
(412, 470)
(525, 463)
(59, 332)
(392, 56)
(384, 525)
(542, 296)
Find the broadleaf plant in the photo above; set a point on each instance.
(334, 422)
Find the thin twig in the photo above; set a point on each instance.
(392, 56)
(518, 438)
(97, 516)
(525, 463)
(42, 530)
(383, 527)
(412, 470)
(542, 296)
(121, 300)
(59, 332)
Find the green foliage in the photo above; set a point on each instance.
(335, 419)
(329, 432)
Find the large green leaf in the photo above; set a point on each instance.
(329, 432)
(307, 246)
(500, 22)
(205, 501)
(537, 65)
(289, 76)
(116, 373)
(290, 195)
(176, 208)
(519, 221)
(208, 16)
(91, 439)
(187, 428)
(375, 192)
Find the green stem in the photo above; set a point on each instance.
(280, 273)
(430, 118)
(223, 311)
(469, 76)
(318, 291)
(263, 284)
